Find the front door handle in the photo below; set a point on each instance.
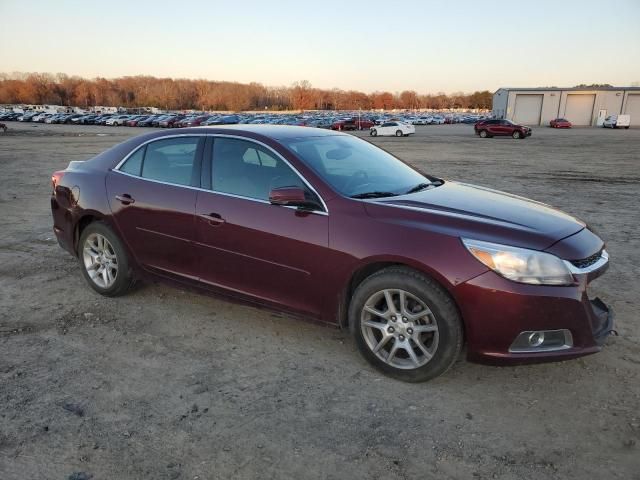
(125, 199)
(214, 219)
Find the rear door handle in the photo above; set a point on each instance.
(214, 219)
(125, 199)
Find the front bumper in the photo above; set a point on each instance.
(496, 311)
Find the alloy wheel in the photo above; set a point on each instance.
(399, 329)
(100, 260)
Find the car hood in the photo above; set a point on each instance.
(479, 213)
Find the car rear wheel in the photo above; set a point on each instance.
(516, 135)
(399, 133)
(373, 133)
(104, 262)
(483, 134)
(405, 324)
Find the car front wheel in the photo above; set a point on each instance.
(483, 134)
(104, 262)
(405, 324)
(516, 135)
(399, 133)
(373, 133)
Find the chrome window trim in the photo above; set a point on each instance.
(604, 259)
(190, 187)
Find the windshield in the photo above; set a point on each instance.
(354, 167)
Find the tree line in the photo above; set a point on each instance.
(181, 94)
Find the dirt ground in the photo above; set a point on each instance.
(167, 384)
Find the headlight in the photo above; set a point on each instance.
(520, 264)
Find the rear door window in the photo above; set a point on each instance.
(170, 160)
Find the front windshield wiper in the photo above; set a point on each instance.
(423, 186)
(419, 187)
(374, 195)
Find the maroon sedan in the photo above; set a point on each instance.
(500, 127)
(194, 121)
(329, 227)
(560, 123)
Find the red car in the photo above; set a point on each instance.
(344, 124)
(352, 124)
(560, 123)
(327, 226)
(363, 123)
(194, 122)
(493, 128)
(134, 121)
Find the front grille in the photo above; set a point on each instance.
(587, 262)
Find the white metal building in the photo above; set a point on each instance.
(581, 106)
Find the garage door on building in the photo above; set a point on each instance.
(528, 109)
(579, 108)
(632, 107)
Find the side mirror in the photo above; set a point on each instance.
(290, 196)
(287, 196)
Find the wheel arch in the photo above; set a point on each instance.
(370, 266)
(88, 217)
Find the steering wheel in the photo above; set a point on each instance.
(357, 175)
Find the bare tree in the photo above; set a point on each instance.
(168, 93)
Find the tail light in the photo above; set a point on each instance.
(55, 179)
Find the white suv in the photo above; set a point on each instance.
(617, 121)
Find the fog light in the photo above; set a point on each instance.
(536, 339)
(542, 341)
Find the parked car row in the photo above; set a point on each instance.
(342, 121)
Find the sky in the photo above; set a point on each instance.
(426, 46)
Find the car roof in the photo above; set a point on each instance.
(277, 132)
(112, 156)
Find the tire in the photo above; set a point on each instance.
(113, 258)
(516, 135)
(399, 133)
(626, 128)
(373, 133)
(483, 134)
(436, 349)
